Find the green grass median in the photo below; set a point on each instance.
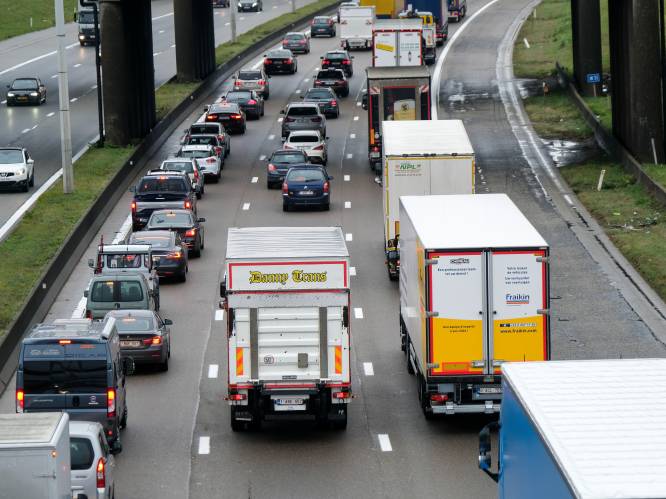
(15, 16)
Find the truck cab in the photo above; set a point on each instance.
(85, 19)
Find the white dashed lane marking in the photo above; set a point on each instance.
(213, 369)
(347, 178)
(348, 204)
(367, 368)
(73, 99)
(355, 118)
(352, 271)
(77, 65)
(349, 236)
(204, 445)
(219, 315)
(50, 114)
(352, 135)
(262, 157)
(246, 206)
(358, 313)
(350, 155)
(255, 180)
(384, 442)
(271, 137)
(25, 130)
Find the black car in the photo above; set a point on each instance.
(306, 187)
(338, 59)
(326, 99)
(159, 190)
(229, 114)
(322, 26)
(250, 5)
(333, 78)
(186, 223)
(144, 337)
(248, 100)
(280, 61)
(169, 252)
(279, 164)
(26, 91)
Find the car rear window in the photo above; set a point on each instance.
(181, 166)
(81, 453)
(335, 56)
(279, 54)
(203, 129)
(238, 96)
(330, 73)
(321, 20)
(167, 219)
(68, 376)
(9, 156)
(198, 140)
(163, 184)
(289, 158)
(116, 291)
(304, 138)
(24, 84)
(135, 324)
(249, 75)
(295, 36)
(224, 109)
(319, 93)
(304, 175)
(154, 241)
(302, 111)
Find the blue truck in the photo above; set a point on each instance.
(590, 429)
(457, 9)
(439, 10)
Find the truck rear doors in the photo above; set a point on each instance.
(485, 308)
(385, 49)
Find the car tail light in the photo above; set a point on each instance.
(133, 206)
(210, 161)
(218, 150)
(271, 167)
(438, 398)
(268, 61)
(211, 117)
(111, 403)
(252, 102)
(238, 83)
(20, 400)
(262, 82)
(89, 314)
(342, 395)
(285, 188)
(220, 138)
(325, 61)
(368, 22)
(302, 42)
(318, 148)
(236, 116)
(341, 81)
(237, 396)
(333, 103)
(155, 340)
(190, 232)
(289, 61)
(326, 186)
(175, 255)
(64, 342)
(289, 120)
(101, 473)
(187, 204)
(196, 174)
(318, 82)
(346, 62)
(287, 146)
(316, 119)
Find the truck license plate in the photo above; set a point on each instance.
(130, 344)
(289, 404)
(490, 390)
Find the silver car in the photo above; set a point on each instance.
(253, 79)
(302, 116)
(207, 158)
(189, 166)
(93, 464)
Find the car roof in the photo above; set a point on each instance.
(84, 429)
(177, 159)
(307, 166)
(318, 90)
(74, 328)
(279, 51)
(327, 70)
(337, 51)
(302, 104)
(295, 33)
(173, 210)
(153, 233)
(10, 148)
(164, 173)
(207, 124)
(288, 151)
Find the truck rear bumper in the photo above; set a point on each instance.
(489, 407)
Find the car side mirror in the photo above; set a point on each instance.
(7, 86)
(351, 56)
(201, 220)
(31, 161)
(91, 263)
(129, 366)
(116, 448)
(327, 138)
(282, 111)
(85, 293)
(322, 57)
(302, 97)
(168, 322)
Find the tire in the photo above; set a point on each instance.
(32, 179)
(203, 189)
(183, 277)
(197, 251)
(341, 423)
(164, 366)
(285, 207)
(244, 129)
(327, 206)
(25, 187)
(226, 155)
(199, 194)
(266, 97)
(122, 424)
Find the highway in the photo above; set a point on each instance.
(38, 127)
(179, 443)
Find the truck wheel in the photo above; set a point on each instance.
(410, 368)
(340, 421)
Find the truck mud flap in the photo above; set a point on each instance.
(323, 342)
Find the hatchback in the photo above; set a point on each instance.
(92, 463)
(302, 116)
(208, 139)
(17, 168)
(248, 100)
(253, 79)
(26, 91)
(333, 78)
(306, 187)
(228, 114)
(208, 161)
(186, 223)
(311, 143)
(296, 42)
(279, 164)
(203, 128)
(326, 99)
(338, 59)
(322, 26)
(189, 166)
(280, 61)
(169, 253)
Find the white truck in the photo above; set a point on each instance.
(286, 294)
(356, 27)
(397, 42)
(420, 158)
(35, 456)
(474, 294)
(429, 32)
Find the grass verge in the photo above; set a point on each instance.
(16, 16)
(554, 116)
(29, 249)
(169, 95)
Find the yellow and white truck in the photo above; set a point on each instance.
(474, 294)
(286, 294)
(419, 158)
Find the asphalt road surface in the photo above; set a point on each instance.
(179, 443)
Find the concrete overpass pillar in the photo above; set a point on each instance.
(127, 69)
(195, 39)
(637, 52)
(586, 34)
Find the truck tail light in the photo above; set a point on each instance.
(20, 401)
(285, 188)
(111, 403)
(237, 396)
(155, 340)
(133, 206)
(325, 186)
(101, 473)
(438, 398)
(375, 149)
(190, 232)
(342, 395)
(187, 204)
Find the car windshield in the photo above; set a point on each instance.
(136, 324)
(305, 176)
(304, 138)
(289, 158)
(125, 261)
(331, 74)
(86, 18)
(178, 219)
(181, 166)
(81, 453)
(249, 75)
(202, 141)
(24, 84)
(302, 111)
(154, 241)
(163, 184)
(196, 154)
(65, 376)
(295, 36)
(319, 93)
(10, 156)
(203, 129)
(238, 96)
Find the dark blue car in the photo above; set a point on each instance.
(306, 187)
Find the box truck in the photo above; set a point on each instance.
(356, 27)
(286, 293)
(384, 9)
(394, 94)
(440, 14)
(420, 158)
(584, 429)
(85, 19)
(397, 42)
(474, 294)
(457, 9)
(429, 35)
(35, 456)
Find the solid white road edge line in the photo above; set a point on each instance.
(255, 180)
(384, 442)
(204, 445)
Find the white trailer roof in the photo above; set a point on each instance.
(465, 221)
(425, 137)
(28, 429)
(398, 24)
(285, 242)
(603, 421)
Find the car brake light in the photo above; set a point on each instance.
(101, 473)
(236, 116)
(111, 402)
(133, 206)
(325, 186)
(64, 342)
(187, 204)
(20, 400)
(334, 103)
(341, 395)
(302, 42)
(287, 146)
(288, 61)
(271, 167)
(210, 161)
(262, 82)
(316, 119)
(318, 82)
(238, 83)
(285, 188)
(175, 255)
(211, 117)
(267, 61)
(155, 340)
(375, 149)
(190, 232)
(346, 61)
(196, 174)
(318, 148)
(325, 61)
(89, 314)
(252, 102)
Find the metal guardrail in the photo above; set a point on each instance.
(45, 292)
(611, 144)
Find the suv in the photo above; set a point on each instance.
(92, 463)
(334, 79)
(253, 79)
(338, 59)
(158, 190)
(17, 168)
(118, 292)
(189, 166)
(74, 365)
(302, 116)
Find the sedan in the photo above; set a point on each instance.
(306, 187)
(333, 78)
(144, 336)
(168, 251)
(280, 61)
(189, 166)
(185, 223)
(17, 168)
(248, 100)
(253, 79)
(311, 143)
(322, 26)
(279, 164)
(326, 99)
(208, 139)
(26, 91)
(228, 114)
(296, 42)
(250, 5)
(338, 59)
(207, 159)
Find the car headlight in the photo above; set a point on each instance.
(10, 94)
(254, 4)
(21, 171)
(82, 37)
(34, 94)
(240, 5)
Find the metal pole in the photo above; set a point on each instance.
(293, 5)
(233, 5)
(98, 69)
(63, 89)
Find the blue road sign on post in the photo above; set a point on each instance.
(593, 78)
